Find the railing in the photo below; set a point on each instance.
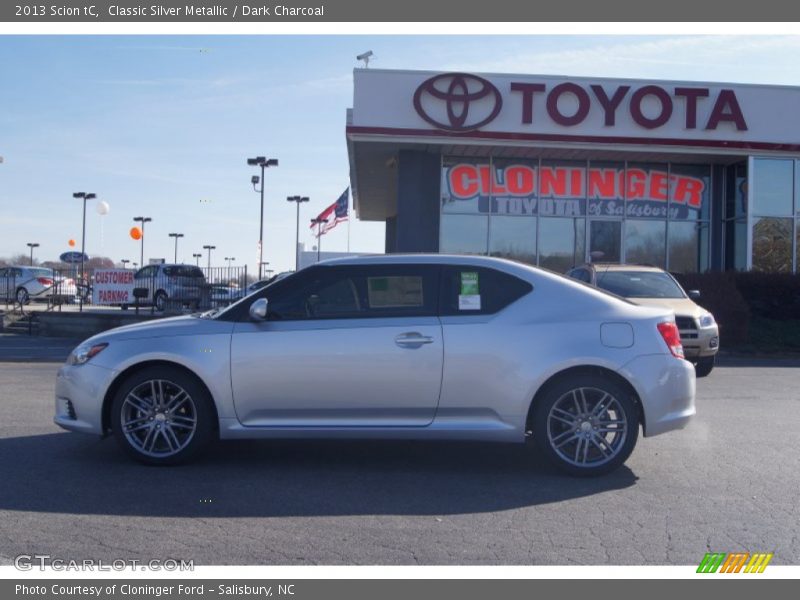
(167, 288)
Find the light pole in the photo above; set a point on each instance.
(298, 200)
(230, 259)
(209, 248)
(83, 196)
(318, 222)
(263, 162)
(176, 236)
(32, 246)
(142, 220)
(197, 258)
(124, 262)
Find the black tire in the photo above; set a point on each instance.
(169, 380)
(22, 296)
(572, 428)
(160, 300)
(704, 365)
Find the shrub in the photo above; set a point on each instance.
(770, 295)
(720, 296)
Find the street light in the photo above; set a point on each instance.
(318, 222)
(197, 258)
(176, 236)
(32, 246)
(209, 248)
(230, 259)
(83, 196)
(263, 162)
(298, 200)
(142, 220)
(124, 262)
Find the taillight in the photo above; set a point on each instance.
(44, 280)
(669, 331)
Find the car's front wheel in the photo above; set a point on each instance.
(704, 365)
(586, 424)
(160, 300)
(162, 415)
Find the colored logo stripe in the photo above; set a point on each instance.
(734, 562)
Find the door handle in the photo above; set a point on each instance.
(412, 340)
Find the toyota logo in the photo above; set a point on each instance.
(457, 101)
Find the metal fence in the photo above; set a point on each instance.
(158, 288)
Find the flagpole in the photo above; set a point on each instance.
(348, 234)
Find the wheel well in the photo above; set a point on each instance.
(108, 400)
(572, 372)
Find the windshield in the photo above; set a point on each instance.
(640, 284)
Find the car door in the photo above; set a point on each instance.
(343, 346)
(4, 283)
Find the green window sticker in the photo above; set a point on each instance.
(469, 284)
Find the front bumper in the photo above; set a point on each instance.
(700, 342)
(79, 397)
(666, 387)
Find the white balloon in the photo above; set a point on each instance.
(103, 207)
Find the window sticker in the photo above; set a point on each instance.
(469, 297)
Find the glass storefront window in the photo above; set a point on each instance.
(688, 247)
(513, 237)
(736, 191)
(515, 190)
(646, 190)
(463, 234)
(605, 189)
(605, 241)
(773, 186)
(562, 188)
(689, 192)
(645, 242)
(561, 243)
(772, 245)
(465, 186)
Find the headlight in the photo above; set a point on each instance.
(707, 320)
(84, 353)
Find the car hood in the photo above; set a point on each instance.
(172, 326)
(681, 306)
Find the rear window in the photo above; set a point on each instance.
(183, 271)
(479, 291)
(40, 272)
(639, 284)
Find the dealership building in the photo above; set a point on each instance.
(557, 171)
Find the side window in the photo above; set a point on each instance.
(583, 275)
(3, 272)
(470, 290)
(357, 292)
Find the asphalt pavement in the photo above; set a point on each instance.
(729, 482)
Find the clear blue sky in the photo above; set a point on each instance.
(161, 125)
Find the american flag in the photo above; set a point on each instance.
(335, 213)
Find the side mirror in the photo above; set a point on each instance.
(694, 294)
(258, 310)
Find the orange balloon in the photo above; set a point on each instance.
(72, 243)
(136, 233)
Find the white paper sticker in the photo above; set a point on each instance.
(469, 302)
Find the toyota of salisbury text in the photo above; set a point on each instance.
(400, 347)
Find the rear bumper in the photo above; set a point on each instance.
(666, 387)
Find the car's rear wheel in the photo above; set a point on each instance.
(162, 416)
(586, 424)
(704, 365)
(22, 296)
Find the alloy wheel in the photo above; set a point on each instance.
(159, 418)
(587, 427)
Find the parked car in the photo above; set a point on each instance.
(23, 284)
(183, 283)
(225, 294)
(265, 282)
(417, 346)
(651, 286)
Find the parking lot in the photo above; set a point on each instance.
(728, 482)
